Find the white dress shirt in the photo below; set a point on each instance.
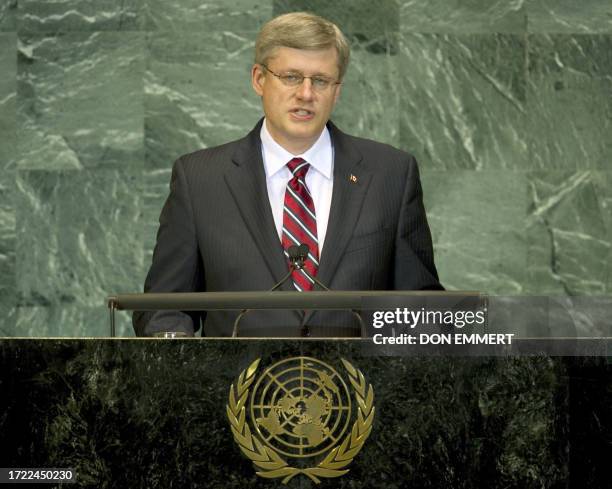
(319, 179)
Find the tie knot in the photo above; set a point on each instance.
(299, 167)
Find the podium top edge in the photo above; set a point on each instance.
(341, 299)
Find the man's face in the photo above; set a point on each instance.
(295, 116)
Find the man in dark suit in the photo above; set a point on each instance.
(234, 210)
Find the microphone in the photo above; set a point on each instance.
(302, 254)
(304, 250)
(297, 257)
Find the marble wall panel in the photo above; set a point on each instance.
(80, 15)
(197, 93)
(477, 221)
(8, 68)
(8, 282)
(62, 320)
(374, 25)
(569, 233)
(8, 20)
(570, 101)
(79, 236)
(606, 208)
(8, 320)
(80, 100)
(369, 101)
(463, 100)
(463, 16)
(570, 16)
(196, 16)
(8, 92)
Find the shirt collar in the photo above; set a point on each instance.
(319, 155)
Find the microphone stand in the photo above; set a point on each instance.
(304, 327)
(297, 257)
(292, 267)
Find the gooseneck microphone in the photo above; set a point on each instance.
(304, 250)
(297, 257)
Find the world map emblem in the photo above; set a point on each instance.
(301, 416)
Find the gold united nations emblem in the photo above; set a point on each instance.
(295, 418)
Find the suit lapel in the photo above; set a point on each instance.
(247, 183)
(350, 187)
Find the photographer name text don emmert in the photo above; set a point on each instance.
(444, 339)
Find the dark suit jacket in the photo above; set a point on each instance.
(217, 233)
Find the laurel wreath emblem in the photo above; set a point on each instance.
(269, 463)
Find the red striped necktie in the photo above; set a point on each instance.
(300, 223)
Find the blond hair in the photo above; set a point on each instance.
(301, 30)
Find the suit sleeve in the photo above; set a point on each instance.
(414, 267)
(176, 265)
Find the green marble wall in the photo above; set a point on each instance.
(507, 104)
